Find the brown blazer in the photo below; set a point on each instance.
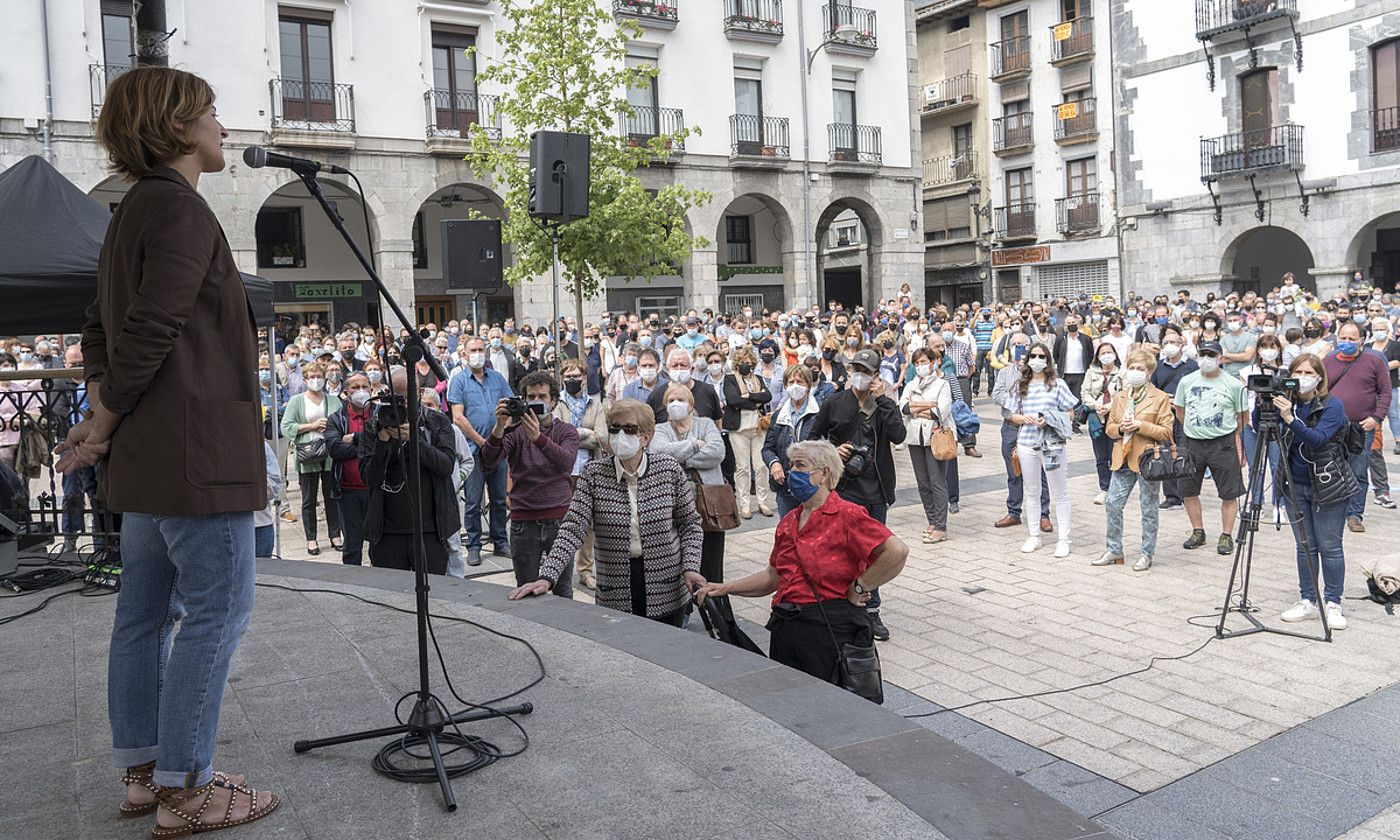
(1155, 414)
(172, 339)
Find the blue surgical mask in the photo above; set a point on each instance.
(755, 333)
(1346, 348)
(495, 342)
(645, 341)
(800, 485)
(264, 376)
(1162, 320)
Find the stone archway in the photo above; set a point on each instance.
(433, 300)
(849, 278)
(1375, 249)
(754, 253)
(1257, 259)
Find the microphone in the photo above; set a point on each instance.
(257, 157)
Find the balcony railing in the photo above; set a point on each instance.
(453, 113)
(1012, 132)
(1015, 221)
(99, 77)
(848, 26)
(853, 143)
(648, 123)
(312, 106)
(752, 135)
(1216, 16)
(1279, 147)
(658, 13)
(950, 92)
(1010, 58)
(1072, 39)
(760, 19)
(950, 169)
(1077, 213)
(1078, 118)
(1385, 129)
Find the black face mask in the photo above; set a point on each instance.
(766, 357)
(828, 354)
(889, 345)
(840, 329)
(744, 368)
(573, 386)
(1312, 334)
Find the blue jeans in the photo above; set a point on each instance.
(950, 476)
(264, 541)
(1394, 414)
(1103, 457)
(1014, 484)
(877, 513)
(1360, 464)
(478, 482)
(352, 523)
(1249, 439)
(1120, 487)
(785, 503)
(79, 491)
(164, 689)
(1323, 527)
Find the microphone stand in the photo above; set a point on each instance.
(429, 717)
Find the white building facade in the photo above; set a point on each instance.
(386, 88)
(1258, 137)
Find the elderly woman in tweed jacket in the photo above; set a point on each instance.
(642, 510)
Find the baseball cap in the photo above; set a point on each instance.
(1209, 347)
(868, 359)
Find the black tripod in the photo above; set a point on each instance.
(1269, 429)
(429, 717)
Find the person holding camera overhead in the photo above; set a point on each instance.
(541, 453)
(863, 422)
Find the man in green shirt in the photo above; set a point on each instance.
(1237, 345)
(1211, 405)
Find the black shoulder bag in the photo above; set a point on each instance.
(857, 666)
(1333, 482)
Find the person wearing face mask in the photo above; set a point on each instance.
(746, 401)
(472, 397)
(541, 453)
(1361, 380)
(1139, 417)
(1212, 409)
(1101, 383)
(642, 509)
(770, 370)
(625, 373)
(678, 371)
(695, 443)
(1002, 393)
(1173, 366)
(1383, 341)
(1238, 345)
(1074, 354)
(791, 423)
(346, 442)
(831, 364)
(648, 378)
(1040, 403)
(927, 404)
(1315, 340)
(304, 423)
(583, 411)
(864, 423)
(1268, 355)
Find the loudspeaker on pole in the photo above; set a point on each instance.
(471, 254)
(559, 175)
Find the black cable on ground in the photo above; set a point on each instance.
(86, 591)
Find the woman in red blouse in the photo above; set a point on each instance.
(827, 549)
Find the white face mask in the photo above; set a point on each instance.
(678, 409)
(648, 374)
(1268, 354)
(360, 398)
(1135, 378)
(476, 360)
(1307, 384)
(1107, 359)
(1236, 326)
(315, 384)
(1209, 364)
(715, 368)
(923, 370)
(624, 445)
(861, 381)
(1037, 364)
(682, 376)
(797, 391)
(1268, 329)
(1171, 351)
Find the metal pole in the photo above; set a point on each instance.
(48, 82)
(805, 69)
(558, 333)
(276, 441)
(151, 34)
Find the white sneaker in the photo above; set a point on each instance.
(1278, 515)
(1301, 611)
(1335, 619)
(1143, 563)
(1098, 500)
(1062, 549)
(1031, 544)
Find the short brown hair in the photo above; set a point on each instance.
(1145, 357)
(633, 411)
(145, 116)
(800, 372)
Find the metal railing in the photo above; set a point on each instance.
(649, 122)
(1215, 16)
(1385, 129)
(1014, 221)
(1072, 38)
(1279, 147)
(99, 77)
(453, 113)
(853, 143)
(950, 169)
(655, 9)
(762, 16)
(752, 135)
(856, 25)
(1012, 131)
(1077, 213)
(1076, 118)
(954, 90)
(1010, 56)
(312, 106)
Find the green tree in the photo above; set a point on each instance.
(560, 64)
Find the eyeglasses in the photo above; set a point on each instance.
(624, 428)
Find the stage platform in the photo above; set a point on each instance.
(639, 730)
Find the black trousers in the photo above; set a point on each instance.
(639, 597)
(800, 638)
(309, 482)
(395, 551)
(712, 557)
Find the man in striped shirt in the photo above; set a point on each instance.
(982, 328)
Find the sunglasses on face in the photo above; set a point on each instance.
(624, 428)
(1039, 356)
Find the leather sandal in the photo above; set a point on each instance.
(173, 800)
(142, 776)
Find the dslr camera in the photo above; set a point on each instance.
(390, 412)
(861, 460)
(516, 408)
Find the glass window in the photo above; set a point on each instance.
(1020, 187)
(738, 233)
(1081, 176)
(117, 47)
(420, 244)
(279, 236)
(748, 97)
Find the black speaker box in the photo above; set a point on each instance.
(471, 253)
(558, 175)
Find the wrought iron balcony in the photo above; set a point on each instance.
(1072, 41)
(1216, 16)
(759, 139)
(312, 106)
(1249, 152)
(1010, 59)
(1077, 213)
(951, 94)
(648, 123)
(848, 29)
(657, 14)
(754, 20)
(950, 169)
(1076, 121)
(853, 144)
(1012, 133)
(1385, 129)
(1014, 221)
(99, 77)
(451, 114)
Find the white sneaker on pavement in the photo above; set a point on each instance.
(1098, 500)
(1031, 544)
(1062, 548)
(1335, 619)
(1300, 611)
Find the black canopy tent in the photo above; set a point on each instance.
(50, 236)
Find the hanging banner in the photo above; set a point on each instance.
(1063, 31)
(1067, 110)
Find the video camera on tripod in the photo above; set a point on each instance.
(390, 411)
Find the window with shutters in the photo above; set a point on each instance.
(738, 233)
(1385, 96)
(1069, 280)
(947, 219)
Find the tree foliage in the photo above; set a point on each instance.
(560, 65)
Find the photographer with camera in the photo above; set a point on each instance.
(344, 439)
(863, 423)
(390, 509)
(541, 453)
